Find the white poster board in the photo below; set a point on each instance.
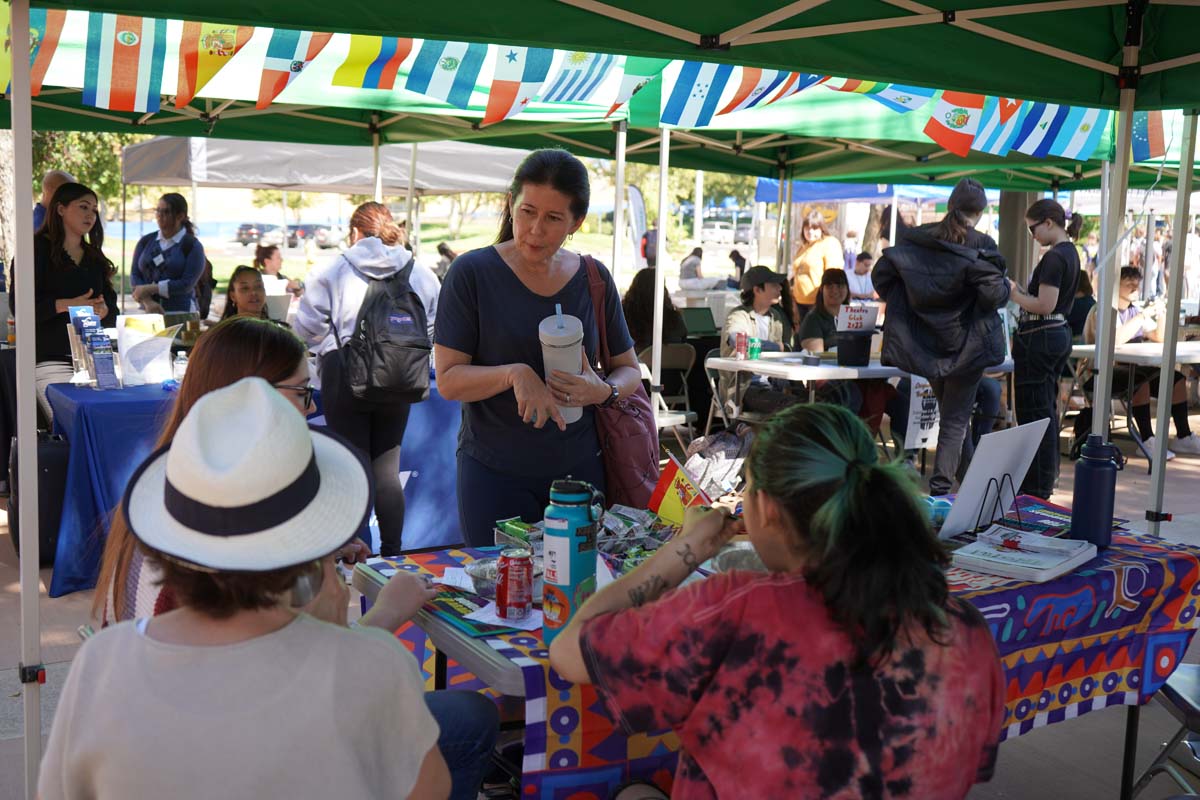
(923, 419)
(857, 318)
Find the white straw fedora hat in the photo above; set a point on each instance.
(245, 485)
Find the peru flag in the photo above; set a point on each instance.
(519, 75)
(288, 53)
(123, 69)
(955, 121)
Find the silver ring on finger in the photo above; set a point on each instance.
(568, 398)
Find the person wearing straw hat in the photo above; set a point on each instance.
(235, 692)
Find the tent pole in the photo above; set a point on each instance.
(664, 225)
(787, 227)
(895, 216)
(376, 172)
(412, 190)
(779, 251)
(620, 128)
(124, 198)
(698, 207)
(1108, 267)
(27, 474)
(1149, 292)
(1166, 375)
(195, 209)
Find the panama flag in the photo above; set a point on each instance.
(1148, 139)
(757, 85)
(797, 82)
(520, 73)
(372, 62)
(1041, 127)
(955, 121)
(579, 77)
(1081, 133)
(205, 48)
(1001, 122)
(638, 72)
(902, 98)
(447, 71)
(288, 53)
(123, 69)
(693, 100)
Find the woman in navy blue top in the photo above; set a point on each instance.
(513, 440)
(168, 264)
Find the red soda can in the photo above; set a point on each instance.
(514, 583)
(741, 346)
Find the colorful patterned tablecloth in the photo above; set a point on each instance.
(1109, 633)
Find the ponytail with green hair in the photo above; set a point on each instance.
(860, 525)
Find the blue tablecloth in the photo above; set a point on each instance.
(112, 432)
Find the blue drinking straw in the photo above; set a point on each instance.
(558, 312)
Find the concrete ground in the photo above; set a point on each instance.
(1075, 760)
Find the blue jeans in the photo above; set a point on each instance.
(1039, 355)
(468, 723)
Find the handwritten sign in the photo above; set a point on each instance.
(923, 420)
(857, 318)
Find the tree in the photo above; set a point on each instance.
(462, 207)
(273, 198)
(94, 159)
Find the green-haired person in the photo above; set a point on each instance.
(847, 669)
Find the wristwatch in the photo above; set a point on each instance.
(613, 396)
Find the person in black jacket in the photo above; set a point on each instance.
(943, 284)
(69, 269)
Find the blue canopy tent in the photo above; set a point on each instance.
(767, 191)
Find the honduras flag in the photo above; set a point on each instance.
(1081, 133)
(447, 71)
(1002, 117)
(693, 100)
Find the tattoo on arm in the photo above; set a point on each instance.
(648, 590)
(689, 558)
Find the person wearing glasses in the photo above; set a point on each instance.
(168, 264)
(1043, 339)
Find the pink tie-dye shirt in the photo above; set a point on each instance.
(758, 682)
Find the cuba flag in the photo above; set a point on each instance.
(519, 75)
(1002, 117)
(124, 66)
(693, 100)
(447, 71)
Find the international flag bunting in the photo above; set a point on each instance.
(205, 48)
(124, 64)
(1081, 133)
(1148, 139)
(579, 77)
(674, 493)
(446, 71)
(955, 121)
(638, 72)
(519, 75)
(998, 129)
(756, 86)
(858, 87)
(902, 98)
(6, 56)
(288, 53)
(693, 100)
(1041, 127)
(797, 82)
(372, 62)
(45, 28)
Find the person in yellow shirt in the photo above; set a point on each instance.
(818, 252)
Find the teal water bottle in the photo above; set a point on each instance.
(572, 520)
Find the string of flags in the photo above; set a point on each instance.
(125, 57)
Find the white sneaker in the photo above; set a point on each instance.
(1149, 445)
(1189, 444)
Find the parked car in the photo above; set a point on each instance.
(721, 232)
(327, 236)
(743, 233)
(249, 233)
(273, 234)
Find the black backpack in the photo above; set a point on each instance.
(386, 359)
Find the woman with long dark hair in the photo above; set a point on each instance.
(943, 285)
(268, 259)
(1042, 343)
(638, 305)
(889, 681)
(514, 440)
(326, 318)
(168, 264)
(69, 269)
(245, 296)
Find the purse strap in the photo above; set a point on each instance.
(598, 289)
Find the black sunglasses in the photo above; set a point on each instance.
(1034, 226)
(306, 391)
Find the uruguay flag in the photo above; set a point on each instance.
(520, 73)
(288, 53)
(756, 85)
(1002, 117)
(1081, 133)
(1040, 128)
(124, 64)
(693, 100)
(579, 77)
(447, 71)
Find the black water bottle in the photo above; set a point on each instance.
(1095, 490)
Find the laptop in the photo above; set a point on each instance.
(699, 321)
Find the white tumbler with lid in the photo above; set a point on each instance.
(562, 349)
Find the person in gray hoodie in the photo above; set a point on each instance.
(327, 315)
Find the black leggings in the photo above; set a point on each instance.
(376, 431)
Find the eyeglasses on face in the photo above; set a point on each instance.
(306, 391)
(1034, 227)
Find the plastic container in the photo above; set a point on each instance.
(854, 348)
(562, 350)
(1095, 488)
(569, 552)
(179, 366)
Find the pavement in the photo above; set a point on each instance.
(1075, 760)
